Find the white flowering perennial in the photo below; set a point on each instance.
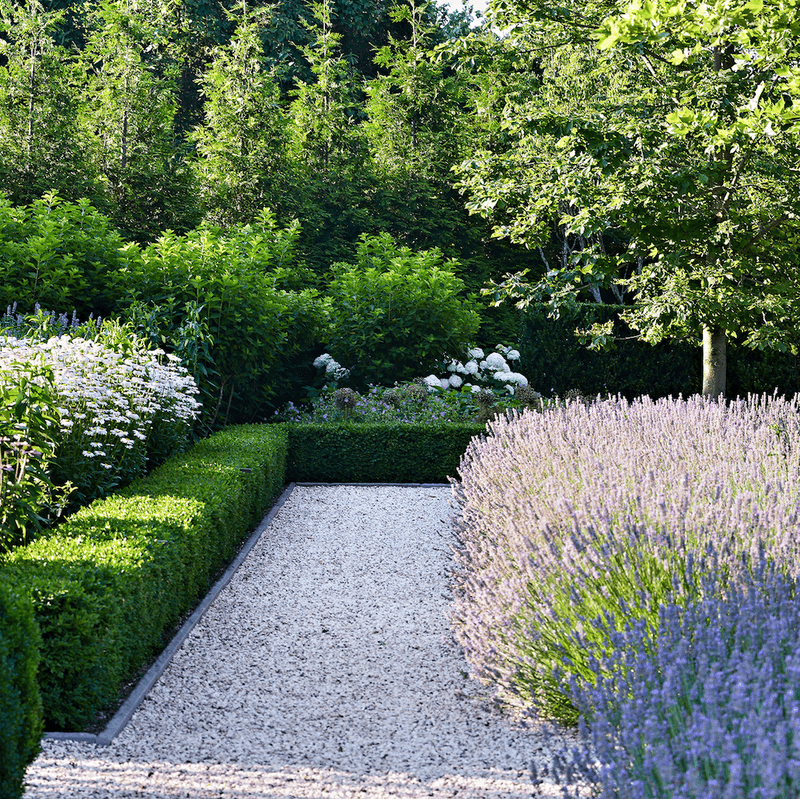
(333, 369)
(483, 369)
(107, 402)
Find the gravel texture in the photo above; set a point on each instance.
(325, 668)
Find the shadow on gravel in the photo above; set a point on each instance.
(98, 778)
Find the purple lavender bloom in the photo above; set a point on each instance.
(706, 704)
(605, 512)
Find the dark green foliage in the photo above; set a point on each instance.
(109, 582)
(63, 255)
(241, 165)
(553, 358)
(214, 302)
(20, 703)
(40, 145)
(128, 117)
(761, 371)
(554, 361)
(393, 453)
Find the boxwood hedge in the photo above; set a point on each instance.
(395, 452)
(20, 703)
(110, 581)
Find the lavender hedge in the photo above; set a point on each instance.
(584, 519)
(705, 705)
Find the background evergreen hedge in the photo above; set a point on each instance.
(556, 362)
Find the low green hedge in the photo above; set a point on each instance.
(20, 702)
(350, 452)
(109, 582)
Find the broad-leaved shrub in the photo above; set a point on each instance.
(210, 296)
(64, 256)
(395, 314)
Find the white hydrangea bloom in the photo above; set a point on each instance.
(476, 354)
(452, 366)
(336, 370)
(444, 383)
(323, 360)
(432, 382)
(497, 363)
(455, 381)
(333, 369)
(476, 389)
(513, 355)
(511, 377)
(471, 367)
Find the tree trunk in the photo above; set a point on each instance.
(715, 361)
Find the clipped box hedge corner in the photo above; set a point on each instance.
(110, 581)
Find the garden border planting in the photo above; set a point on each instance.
(110, 581)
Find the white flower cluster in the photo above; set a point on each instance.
(481, 368)
(333, 370)
(105, 399)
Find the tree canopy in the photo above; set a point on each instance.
(643, 153)
(662, 144)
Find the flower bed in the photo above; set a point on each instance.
(107, 410)
(591, 534)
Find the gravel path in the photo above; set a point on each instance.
(325, 668)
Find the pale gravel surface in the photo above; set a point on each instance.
(326, 668)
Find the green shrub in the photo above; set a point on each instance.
(209, 297)
(396, 314)
(27, 447)
(393, 452)
(62, 255)
(556, 362)
(110, 581)
(20, 702)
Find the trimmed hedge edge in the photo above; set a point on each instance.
(20, 703)
(109, 582)
(350, 452)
